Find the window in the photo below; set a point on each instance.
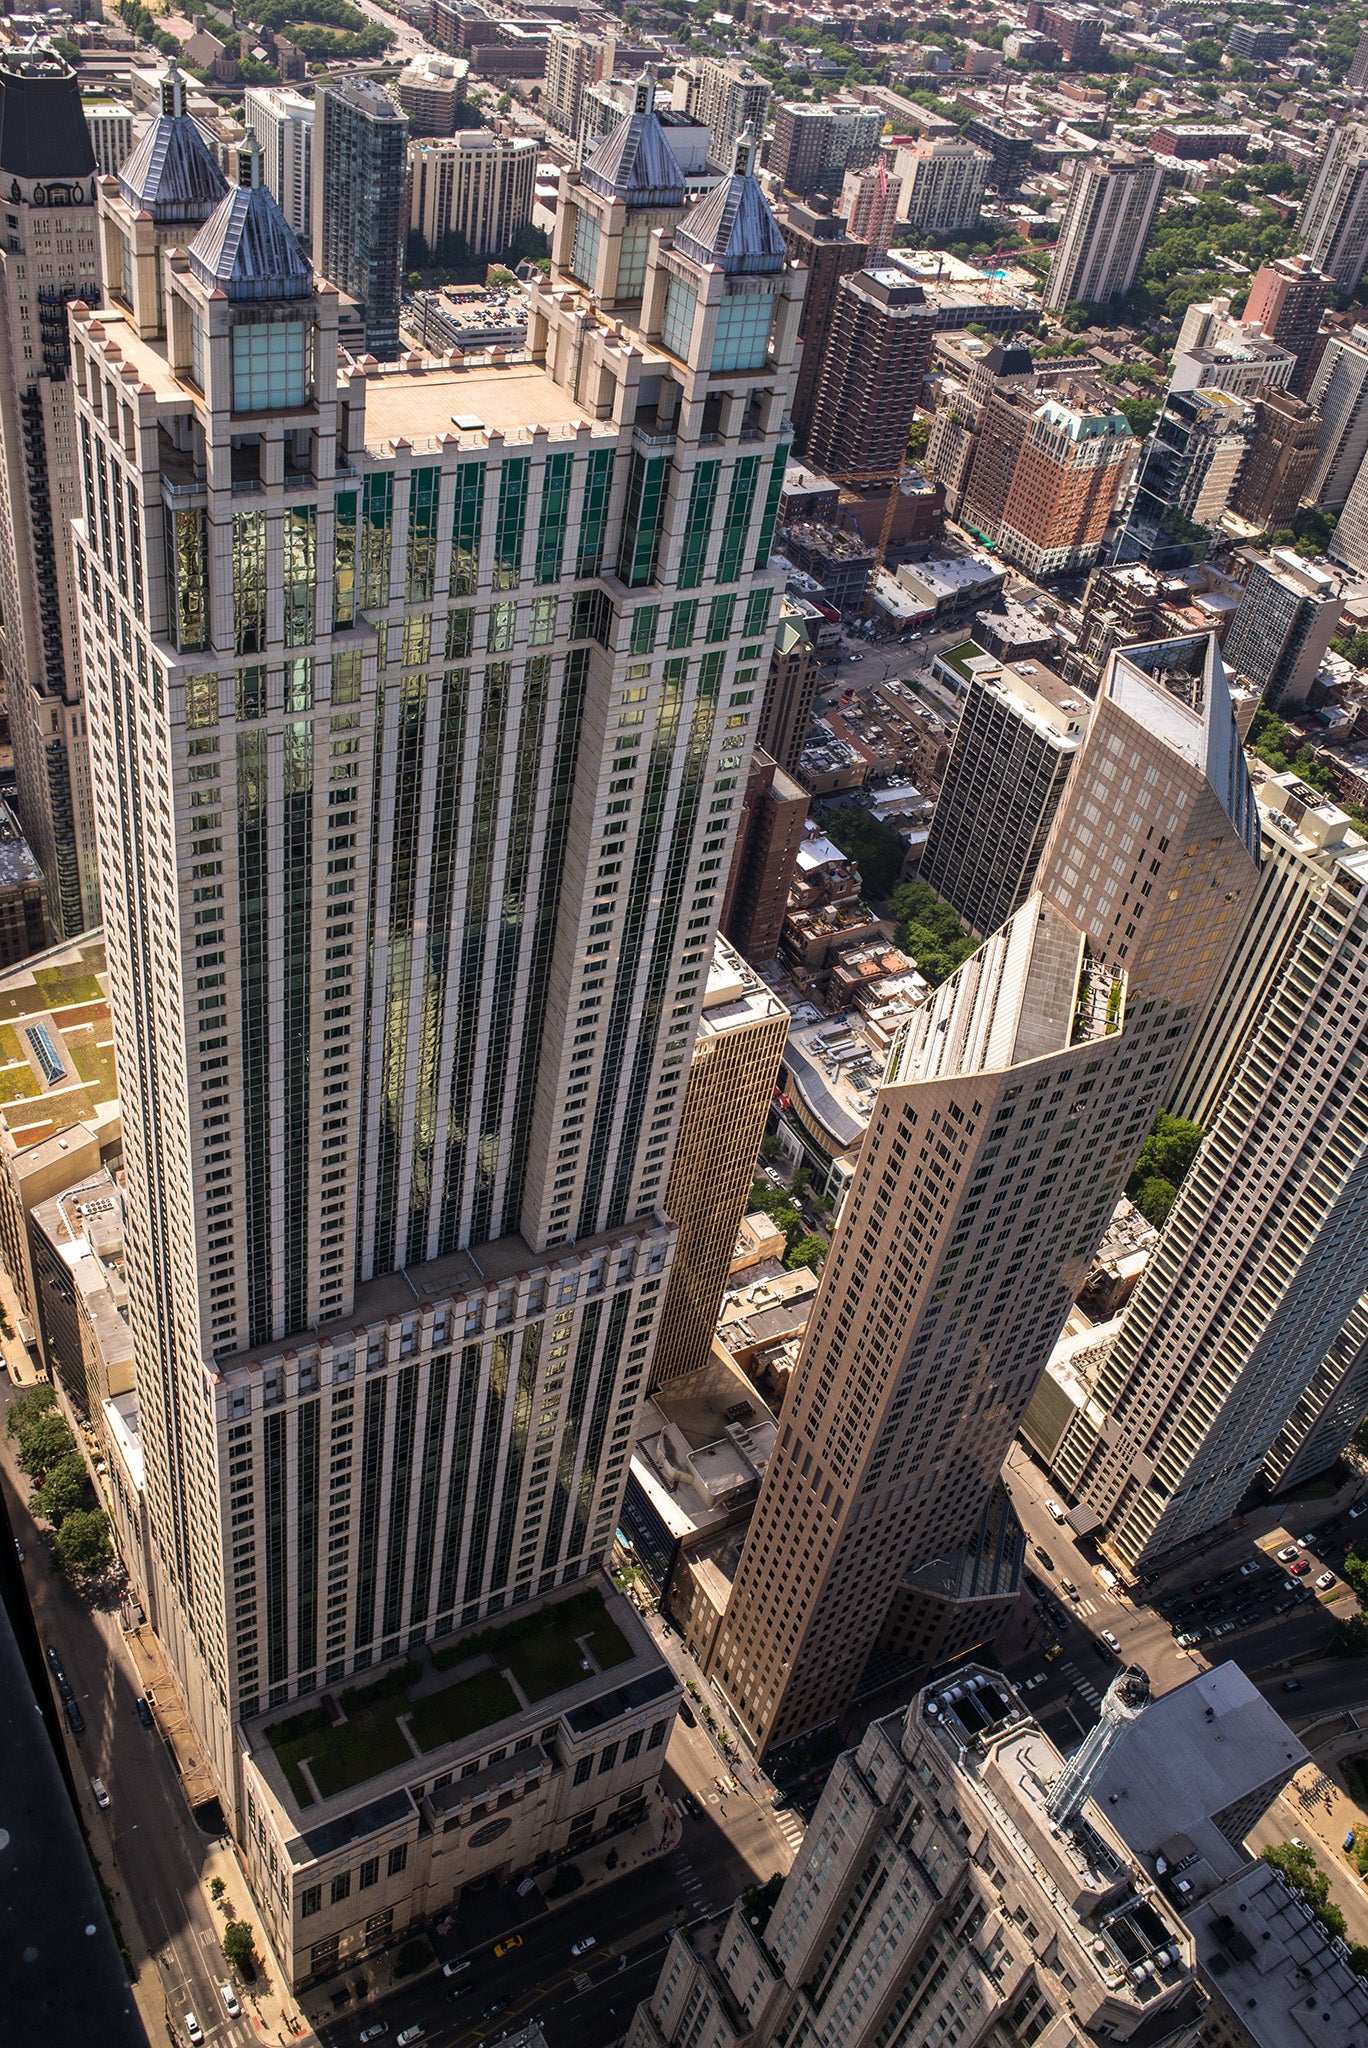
(584, 254)
(608, 1758)
(743, 326)
(341, 1887)
(582, 1769)
(397, 1859)
(270, 366)
(368, 1874)
(310, 1900)
(676, 331)
(632, 1746)
(657, 1735)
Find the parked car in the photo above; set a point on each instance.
(1292, 1685)
(230, 2001)
(529, 1884)
(1247, 1571)
(144, 1711)
(409, 2034)
(490, 2011)
(687, 1714)
(1190, 1639)
(194, 2029)
(1300, 1568)
(1053, 1508)
(373, 2033)
(1107, 1575)
(97, 1786)
(1360, 1507)
(75, 1718)
(54, 1660)
(1325, 1582)
(582, 1948)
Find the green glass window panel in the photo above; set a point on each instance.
(249, 581)
(424, 490)
(377, 518)
(465, 539)
(555, 516)
(585, 248)
(541, 626)
(201, 701)
(757, 611)
(645, 624)
(299, 685)
(510, 523)
(344, 559)
(683, 621)
(674, 675)
(346, 676)
(503, 620)
(643, 516)
(740, 499)
(636, 243)
(251, 693)
(720, 617)
(300, 572)
(598, 484)
(710, 673)
(741, 338)
(189, 544)
(771, 511)
(697, 520)
(676, 332)
(460, 635)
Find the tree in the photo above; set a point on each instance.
(1302, 1874)
(81, 1548)
(63, 1491)
(46, 1441)
(866, 839)
(28, 1408)
(1170, 1148)
(1154, 1198)
(808, 1251)
(239, 1947)
(930, 931)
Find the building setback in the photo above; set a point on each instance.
(969, 1223)
(360, 194)
(1266, 1252)
(873, 368)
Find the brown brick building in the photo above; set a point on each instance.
(882, 332)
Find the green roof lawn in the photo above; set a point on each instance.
(460, 1709)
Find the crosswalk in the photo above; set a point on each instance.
(691, 1884)
(790, 1826)
(1084, 1687)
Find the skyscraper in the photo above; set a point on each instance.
(814, 145)
(360, 194)
(1065, 481)
(1266, 1251)
(728, 97)
(1333, 222)
(938, 1896)
(1012, 1107)
(475, 185)
(816, 237)
(1349, 541)
(48, 256)
(1105, 230)
(1339, 392)
(1193, 457)
(283, 123)
(735, 1062)
(1357, 76)
(417, 739)
(790, 687)
(869, 199)
(875, 359)
(1280, 458)
(1287, 618)
(1016, 741)
(765, 860)
(1287, 298)
(943, 184)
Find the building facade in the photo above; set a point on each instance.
(360, 202)
(1193, 458)
(1287, 299)
(283, 124)
(1105, 231)
(1265, 1254)
(1279, 461)
(1333, 222)
(870, 201)
(1287, 618)
(49, 257)
(815, 236)
(874, 363)
(814, 144)
(476, 185)
(1065, 483)
(431, 91)
(735, 1062)
(765, 860)
(728, 97)
(1339, 393)
(417, 747)
(1017, 739)
(968, 1223)
(943, 184)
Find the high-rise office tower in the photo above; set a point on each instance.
(1286, 621)
(1327, 1413)
(814, 144)
(1349, 541)
(1333, 222)
(939, 1897)
(476, 185)
(1266, 1251)
(1012, 1107)
(1017, 739)
(943, 184)
(1280, 458)
(816, 237)
(874, 362)
(422, 701)
(869, 200)
(283, 123)
(1287, 298)
(1196, 451)
(49, 256)
(765, 859)
(1339, 392)
(360, 198)
(1105, 230)
(741, 1036)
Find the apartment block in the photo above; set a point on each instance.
(1279, 461)
(1287, 618)
(1339, 392)
(283, 124)
(476, 185)
(574, 61)
(1333, 223)
(417, 735)
(1265, 1254)
(49, 257)
(1077, 31)
(431, 91)
(1019, 733)
(765, 861)
(876, 357)
(1287, 299)
(360, 195)
(1105, 231)
(728, 98)
(941, 1894)
(870, 200)
(1195, 455)
(814, 144)
(816, 237)
(1348, 544)
(735, 1062)
(1065, 483)
(110, 126)
(943, 184)
(790, 689)
(968, 1221)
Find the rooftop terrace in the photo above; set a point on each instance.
(56, 1042)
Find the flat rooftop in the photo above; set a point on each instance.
(835, 1068)
(56, 1044)
(735, 995)
(1276, 1966)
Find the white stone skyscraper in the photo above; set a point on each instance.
(1108, 216)
(1012, 1107)
(421, 704)
(48, 256)
(1333, 222)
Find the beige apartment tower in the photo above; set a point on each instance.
(1012, 1107)
(741, 1036)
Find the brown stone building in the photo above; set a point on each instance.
(765, 858)
(882, 331)
(1288, 299)
(816, 236)
(1279, 460)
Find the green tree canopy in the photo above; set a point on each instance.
(37, 1401)
(1298, 1867)
(239, 1947)
(1165, 1157)
(930, 931)
(866, 839)
(81, 1547)
(45, 1441)
(808, 1251)
(64, 1489)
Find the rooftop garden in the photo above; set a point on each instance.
(401, 1715)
